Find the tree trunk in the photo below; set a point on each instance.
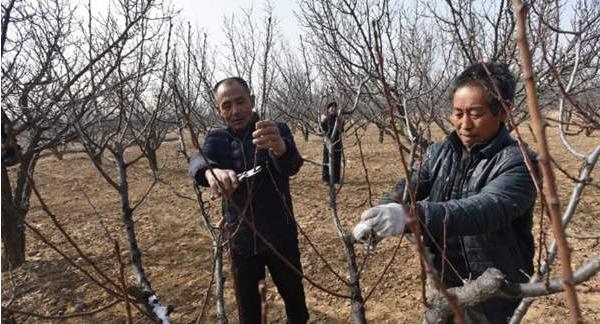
(220, 284)
(358, 308)
(96, 156)
(357, 301)
(13, 231)
(152, 159)
(146, 294)
(305, 133)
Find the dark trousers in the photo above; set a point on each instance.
(337, 163)
(248, 270)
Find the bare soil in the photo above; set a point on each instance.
(177, 249)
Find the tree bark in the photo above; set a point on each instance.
(146, 295)
(305, 133)
(357, 301)
(220, 284)
(549, 180)
(13, 231)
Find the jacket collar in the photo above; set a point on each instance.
(487, 148)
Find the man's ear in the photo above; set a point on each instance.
(218, 111)
(252, 101)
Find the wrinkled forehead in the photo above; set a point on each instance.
(470, 92)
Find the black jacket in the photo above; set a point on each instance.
(270, 208)
(486, 198)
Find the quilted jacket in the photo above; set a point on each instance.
(270, 207)
(481, 203)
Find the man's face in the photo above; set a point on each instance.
(472, 117)
(235, 105)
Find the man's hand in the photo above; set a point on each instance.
(228, 179)
(266, 136)
(323, 118)
(383, 221)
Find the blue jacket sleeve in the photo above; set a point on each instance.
(198, 164)
(504, 198)
(290, 162)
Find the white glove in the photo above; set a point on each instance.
(383, 220)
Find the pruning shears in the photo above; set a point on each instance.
(249, 173)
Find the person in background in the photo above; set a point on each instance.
(327, 127)
(245, 143)
(474, 193)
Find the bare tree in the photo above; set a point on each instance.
(342, 45)
(485, 30)
(42, 82)
(195, 110)
(117, 84)
(561, 56)
(467, 32)
(297, 97)
(132, 110)
(191, 80)
(251, 50)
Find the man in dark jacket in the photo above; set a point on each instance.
(256, 206)
(327, 127)
(474, 191)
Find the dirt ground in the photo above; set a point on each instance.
(177, 250)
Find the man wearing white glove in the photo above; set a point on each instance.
(380, 221)
(474, 193)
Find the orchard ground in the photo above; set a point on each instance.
(177, 249)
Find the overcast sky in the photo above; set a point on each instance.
(208, 14)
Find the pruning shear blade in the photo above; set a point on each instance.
(249, 173)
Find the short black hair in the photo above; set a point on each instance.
(499, 76)
(332, 103)
(231, 80)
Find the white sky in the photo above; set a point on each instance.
(208, 15)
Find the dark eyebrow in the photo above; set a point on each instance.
(470, 108)
(234, 99)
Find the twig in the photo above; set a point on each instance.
(287, 263)
(207, 296)
(413, 219)
(364, 165)
(549, 187)
(313, 162)
(584, 236)
(385, 269)
(69, 239)
(123, 281)
(303, 233)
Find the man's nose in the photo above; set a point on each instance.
(236, 108)
(467, 122)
